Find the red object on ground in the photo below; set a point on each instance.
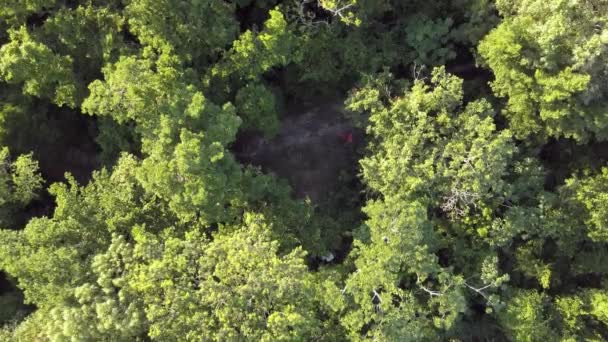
(347, 137)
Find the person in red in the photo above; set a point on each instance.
(347, 137)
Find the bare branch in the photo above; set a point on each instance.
(457, 201)
(308, 19)
(417, 71)
(479, 290)
(377, 295)
(377, 307)
(337, 12)
(430, 292)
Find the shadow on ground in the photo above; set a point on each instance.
(315, 150)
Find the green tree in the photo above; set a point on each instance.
(58, 58)
(52, 255)
(257, 107)
(525, 317)
(42, 72)
(14, 12)
(441, 170)
(473, 227)
(549, 61)
(194, 30)
(20, 183)
(183, 135)
(591, 196)
(234, 287)
(169, 286)
(254, 53)
(184, 139)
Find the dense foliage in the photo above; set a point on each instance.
(478, 209)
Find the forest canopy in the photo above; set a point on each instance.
(303, 170)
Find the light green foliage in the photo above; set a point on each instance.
(152, 92)
(14, 12)
(25, 179)
(561, 236)
(30, 329)
(81, 270)
(51, 255)
(432, 148)
(197, 178)
(131, 89)
(474, 224)
(107, 308)
(183, 134)
(525, 318)
(20, 183)
(42, 72)
(571, 309)
(375, 92)
(19, 179)
(90, 35)
(429, 153)
(194, 30)
(256, 106)
(235, 287)
(577, 311)
(529, 263)
(357, 12)
(254, 53)
(549, 60)
(59, 57)
(343, 9)
(598, 301)
(591, 194)
(397, 254)
(184, 137)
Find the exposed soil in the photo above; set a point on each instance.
(312, 150)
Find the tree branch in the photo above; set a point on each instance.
(430, 292)
(338, 11)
